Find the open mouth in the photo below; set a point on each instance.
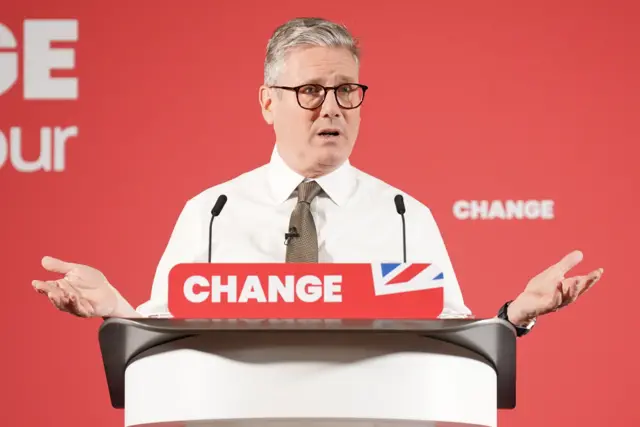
(329, 133)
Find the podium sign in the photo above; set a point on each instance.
(306, 291)
(304, 345)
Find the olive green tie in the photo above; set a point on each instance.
(303, 246)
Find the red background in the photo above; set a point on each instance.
(468, 100)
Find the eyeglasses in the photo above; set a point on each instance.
(312, 96)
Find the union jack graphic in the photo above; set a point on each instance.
(395, 278)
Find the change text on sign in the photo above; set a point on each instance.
(198, 289)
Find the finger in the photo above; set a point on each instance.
(48, 287)
(64, 297)
(567, 263)
(58, 299)
(66, 287)
(41, 286)
(556, 299)
(571, 288)
(592, 278)
(57, 296)
(68, 294)
(56, 265)
(81, 307)
(76, 304)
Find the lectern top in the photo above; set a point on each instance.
(121, 340)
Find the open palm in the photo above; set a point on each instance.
(551, 290)
(83, 291)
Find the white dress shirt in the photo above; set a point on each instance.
(356, 221)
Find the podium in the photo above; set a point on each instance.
(309, 373)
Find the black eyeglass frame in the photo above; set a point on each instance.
(325, 89)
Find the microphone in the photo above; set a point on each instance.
(217, 208)
(293, 232)
(399, 201)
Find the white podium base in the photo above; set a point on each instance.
(310, 379)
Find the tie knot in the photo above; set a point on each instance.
(307, 191)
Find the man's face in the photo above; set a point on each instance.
(299, 132)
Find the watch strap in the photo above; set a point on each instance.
(520, 330)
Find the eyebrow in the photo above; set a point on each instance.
(340, 79)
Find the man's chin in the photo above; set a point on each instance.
(332, 156)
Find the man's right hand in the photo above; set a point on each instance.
(83, 291)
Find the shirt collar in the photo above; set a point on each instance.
(283, 180)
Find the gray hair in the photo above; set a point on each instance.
(304, 32)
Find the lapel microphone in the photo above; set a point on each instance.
(293, 232)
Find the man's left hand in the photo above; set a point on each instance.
(550, 290)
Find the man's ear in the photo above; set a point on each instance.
(266, 103)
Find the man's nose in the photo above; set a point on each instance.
(330, 107)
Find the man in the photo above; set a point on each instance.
(335, 213)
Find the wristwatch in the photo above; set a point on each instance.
(520, 330)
